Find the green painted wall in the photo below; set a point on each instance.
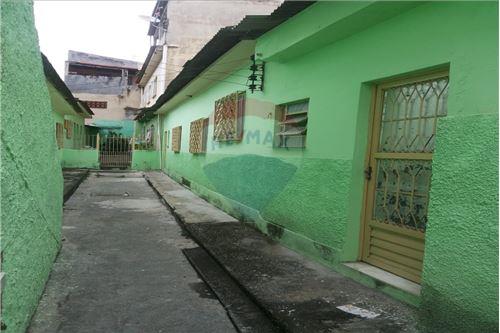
(315, 194)
(72, 155)
(58, 118)
(80, 158)
(145, 160)
(62, 110)
(31, 180)
(76, 139)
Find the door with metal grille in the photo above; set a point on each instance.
(115, 152)
(397, 193)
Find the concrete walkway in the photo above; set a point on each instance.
(296, 293)
(121, 268)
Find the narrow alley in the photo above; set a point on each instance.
(121, 267)
(130, 262)
(250, 166)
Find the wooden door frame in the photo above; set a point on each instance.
(163, 149)
(374, 121)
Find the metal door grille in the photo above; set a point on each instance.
(198, 133)
(403, 138)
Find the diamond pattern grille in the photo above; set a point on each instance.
(410, 114)
(408, 126)
(402, 193)
(228, 117)
(176, 139)
(198, 136)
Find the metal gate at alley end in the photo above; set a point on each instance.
(115, 152)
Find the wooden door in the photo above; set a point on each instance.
(405, 116)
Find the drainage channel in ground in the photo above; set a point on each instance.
(243, 312)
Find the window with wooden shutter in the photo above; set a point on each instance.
(59, 135)
(68, 126)
(176, 139)
(198, 136)
(291, 124)
(228, 117)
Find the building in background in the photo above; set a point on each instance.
(108, 86)
(76, 141)
(69, 112)
(179, 29)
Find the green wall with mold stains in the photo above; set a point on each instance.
(77, 138)
(145, 160)
(329, 54)
(80, 158)
(62, 110)
(31, 179)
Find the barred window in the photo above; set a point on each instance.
(228, 117)
(176, 139)
(198, 136)
(291, 124)
(97, 104)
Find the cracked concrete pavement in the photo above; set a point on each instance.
(121, 268)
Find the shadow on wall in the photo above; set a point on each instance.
(250, 179)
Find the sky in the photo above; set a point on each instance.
(110, 28)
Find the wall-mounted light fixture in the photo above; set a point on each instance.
(256, 78)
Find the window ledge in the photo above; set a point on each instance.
(385, 277)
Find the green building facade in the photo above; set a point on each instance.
(31, 179)
(331, 74)
(77, 145)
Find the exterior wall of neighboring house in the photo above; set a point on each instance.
(189, 25)
(76, 146)
(157, 83)
(146, 154)
(73, 124)
(312, 198)
(108, 85)
(31, 179)
(117, 112)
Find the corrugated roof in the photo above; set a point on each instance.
(101, 61)
(251, 27)
(53, 77)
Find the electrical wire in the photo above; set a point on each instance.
(172, 71)
(189, 69)
(193, 68)
(132, 86)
